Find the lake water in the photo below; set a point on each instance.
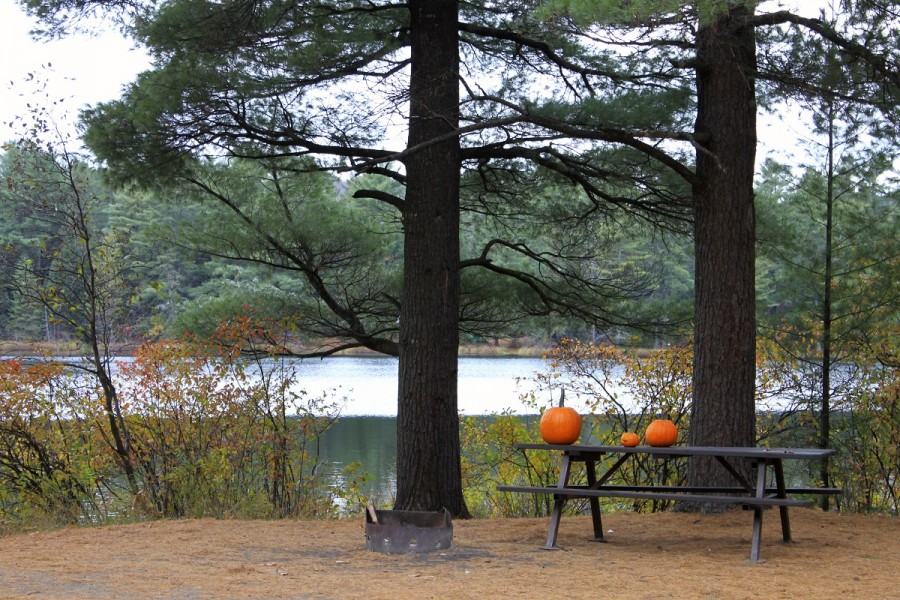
(486, 385)
(367, 430)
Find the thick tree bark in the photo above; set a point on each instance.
(428, 452)
(725, 323)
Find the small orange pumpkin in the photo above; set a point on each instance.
(661, 433)
(560, 424)
(630, 439)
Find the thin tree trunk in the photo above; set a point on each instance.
(724, 222)
(428, 453)
(117, 427)
(825, 416)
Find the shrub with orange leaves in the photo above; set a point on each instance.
(50, 458)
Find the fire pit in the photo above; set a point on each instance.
(403, 531)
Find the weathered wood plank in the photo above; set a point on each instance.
(613, 493)
(711, 489)
(578, 451)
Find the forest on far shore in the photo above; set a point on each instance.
(180, 264)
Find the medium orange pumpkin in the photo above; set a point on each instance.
(630, 439)
(661, 433)
(560, 424)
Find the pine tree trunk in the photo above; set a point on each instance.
(725, 323)
(827, 322)
(428, 452)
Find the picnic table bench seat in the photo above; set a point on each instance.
(675, 495)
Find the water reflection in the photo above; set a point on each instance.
(370, 441)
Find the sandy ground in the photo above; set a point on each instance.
(658, 556)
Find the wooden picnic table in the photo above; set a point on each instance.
(757, 495)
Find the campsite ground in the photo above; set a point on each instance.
(658, 556)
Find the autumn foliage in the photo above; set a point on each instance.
(211, 431)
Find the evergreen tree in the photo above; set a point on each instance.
(731, 57)
(327, 81)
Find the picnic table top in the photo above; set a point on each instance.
(721, 451)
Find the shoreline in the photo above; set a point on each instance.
(510, 348)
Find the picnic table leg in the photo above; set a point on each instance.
(559, 502)
(590, 468)
(758, 511)
(779, 483)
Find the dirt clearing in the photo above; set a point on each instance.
(669, 555)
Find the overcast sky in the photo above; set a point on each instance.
(81, 69)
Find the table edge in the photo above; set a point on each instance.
(676, 451)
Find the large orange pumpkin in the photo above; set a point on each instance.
(661, 433)
(560, 424)
(630, 439)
